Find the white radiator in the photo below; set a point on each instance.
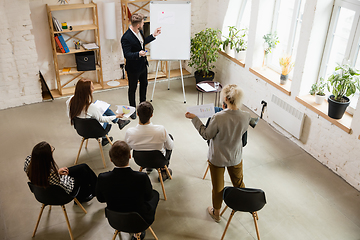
(286, 116)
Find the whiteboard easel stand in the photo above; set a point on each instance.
(182, 79)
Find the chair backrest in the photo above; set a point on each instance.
(149, 159)
(244, 199)
(52, 195)
(130, 222)
(89, 128)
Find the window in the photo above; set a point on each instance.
(244, 15)
(287, 23)
(343, 41)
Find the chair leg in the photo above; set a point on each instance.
(228, 223)
(87, 140)
(153, 233)
(102, 152)
(67, 221)
(141, 168)
(223, 210)
(207, 169)
(116, 232)
(168, 173)
(79, 204)
(77, 157)
(37, 223)
(109, 139)
(162, 183)
(255, 216)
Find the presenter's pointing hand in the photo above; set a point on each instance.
(157, 31)
(190, 115)
(120, 115)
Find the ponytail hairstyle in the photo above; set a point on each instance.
(41, 165)
(81, 99)
(233, 94)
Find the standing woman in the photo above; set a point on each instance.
(42, 171)
(225, 131)
(81, 105)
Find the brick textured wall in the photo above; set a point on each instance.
(19, 80)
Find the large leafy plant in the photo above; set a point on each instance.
(343, 82)
(235, 39)
(204, 50)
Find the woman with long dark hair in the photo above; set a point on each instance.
(42, 171)
(81, 105)
(225, 131)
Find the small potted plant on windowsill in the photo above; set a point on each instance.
(205, 46)
(317, 89)
(343, 83)
(235, 43)
(286, 65)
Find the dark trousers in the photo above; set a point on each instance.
(133, 78)
(85, 179)
(149, 217)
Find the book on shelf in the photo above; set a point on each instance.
(89, 46)
(57, 26)
(58, 43)
(63, 43)
(66, 69)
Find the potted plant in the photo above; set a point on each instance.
(317, 89)
(205, 46)
(286, 66)
(235, 43)
(270, 42)
(343, 83)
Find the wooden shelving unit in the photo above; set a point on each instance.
(63, 88)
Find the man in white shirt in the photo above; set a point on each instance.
(147, 136)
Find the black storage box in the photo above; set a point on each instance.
(85, 61)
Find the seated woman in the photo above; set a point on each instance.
(225, 131)
(81, 105)
(42, 171)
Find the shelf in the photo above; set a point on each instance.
(75, 71)
(273, 78)
(70, 6)
(78, 28)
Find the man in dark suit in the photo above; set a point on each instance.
(133, 44)
(125, 190)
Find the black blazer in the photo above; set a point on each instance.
(131, 47)
(125, 190)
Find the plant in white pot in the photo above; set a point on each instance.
(235, 43)
(343, 83)
(318, 89)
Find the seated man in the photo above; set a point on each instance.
(125, 190)
(146, 136)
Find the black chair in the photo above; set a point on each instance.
(53, 195)
(130, 222)
(244, 200)
(91, 128)
(152, 159)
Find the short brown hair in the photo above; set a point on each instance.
(120, 153)
(136, 18)
(145, 111)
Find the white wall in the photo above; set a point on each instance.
(329, 144)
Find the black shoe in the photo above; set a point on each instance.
(105, 141)
(149, 170)
(164, 174)
(123, 123)
(142, 236)
(133, 116)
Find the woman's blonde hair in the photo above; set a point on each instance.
(233, 94)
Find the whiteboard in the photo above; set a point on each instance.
(174, 18)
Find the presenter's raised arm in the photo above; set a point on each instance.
(157, 31)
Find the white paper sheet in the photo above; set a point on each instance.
(102, 106)
(202, 111)
(127, 110)
(206, 87)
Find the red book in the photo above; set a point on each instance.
(59, 44)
